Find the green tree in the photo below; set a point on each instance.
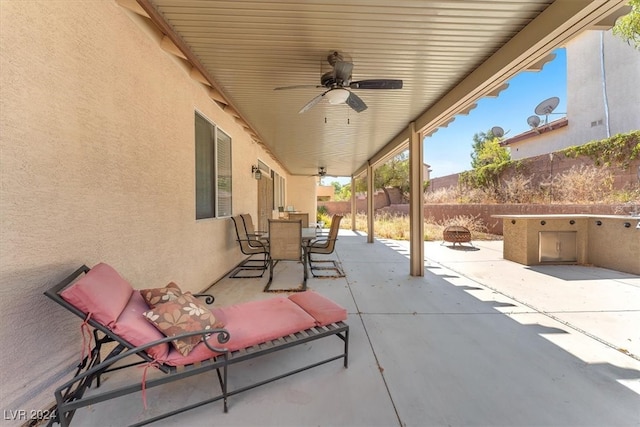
(488, 160)
(345, 193)
(628, 27)
(479, 139)
(394, 173)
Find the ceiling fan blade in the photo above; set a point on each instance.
(356, 103)
(343, 71)
(311, 103)
(297, 87)
(377, 84)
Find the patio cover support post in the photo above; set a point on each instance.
(416, 202)
(354, 206)
(370, 203)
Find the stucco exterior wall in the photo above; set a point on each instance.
(594, 240)
(601, 94)
(544, 143)
(97, 151)
(301, 195)
(587, 86)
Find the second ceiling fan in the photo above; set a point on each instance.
(339, 85)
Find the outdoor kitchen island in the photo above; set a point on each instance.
(608, 241)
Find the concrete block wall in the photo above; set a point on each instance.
(484, 212)
(540, 168)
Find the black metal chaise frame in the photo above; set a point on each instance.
(70, 395)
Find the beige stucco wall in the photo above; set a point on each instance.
(97, 164)
(325, 191)
(614, 245)
(301, 194)
(544, 143)
(593, 95)
(586, 92)
(603, 241)
(521, 237)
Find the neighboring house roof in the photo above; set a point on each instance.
(549, 127)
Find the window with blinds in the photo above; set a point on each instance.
(223, 175)
(213, 170)
(278, 191)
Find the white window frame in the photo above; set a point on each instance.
(214, 189)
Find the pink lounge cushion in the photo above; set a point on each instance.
(249, 324)
(133, 327)
(157, 296)
(101, 292)
(323, 310)
(183, 314)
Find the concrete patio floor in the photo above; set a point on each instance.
(477, 341)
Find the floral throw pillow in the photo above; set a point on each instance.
(156, 296)
(182, 314)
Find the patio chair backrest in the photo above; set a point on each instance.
(248, 224)
(285, 239)
(326, 245)
(248, 245)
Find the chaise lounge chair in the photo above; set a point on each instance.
(133, 320)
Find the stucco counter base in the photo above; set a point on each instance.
(609, 241)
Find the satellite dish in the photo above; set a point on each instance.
(533, 121)
(497, 131)
(547, 106)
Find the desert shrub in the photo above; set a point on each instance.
(460, 194)
(467, 194)
(324, 217)
(396, 226)
(392, 226)
(442, 195)
(518, 189)
(582, 184)
(628, 195)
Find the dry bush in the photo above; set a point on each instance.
(392, 226)
(518, 189)
(442, 195)
(583, 184)
(474, 195)
(396, 226)
(459, 194)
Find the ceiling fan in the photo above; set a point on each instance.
(339, 85)
(322, 172)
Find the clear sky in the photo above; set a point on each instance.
(449, 150)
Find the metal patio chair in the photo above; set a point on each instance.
(285, 244)
(256, 249)
(250, 229)
(325, 245)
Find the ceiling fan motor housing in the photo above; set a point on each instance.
(328, 79)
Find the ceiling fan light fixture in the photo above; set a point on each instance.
(337, 96)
